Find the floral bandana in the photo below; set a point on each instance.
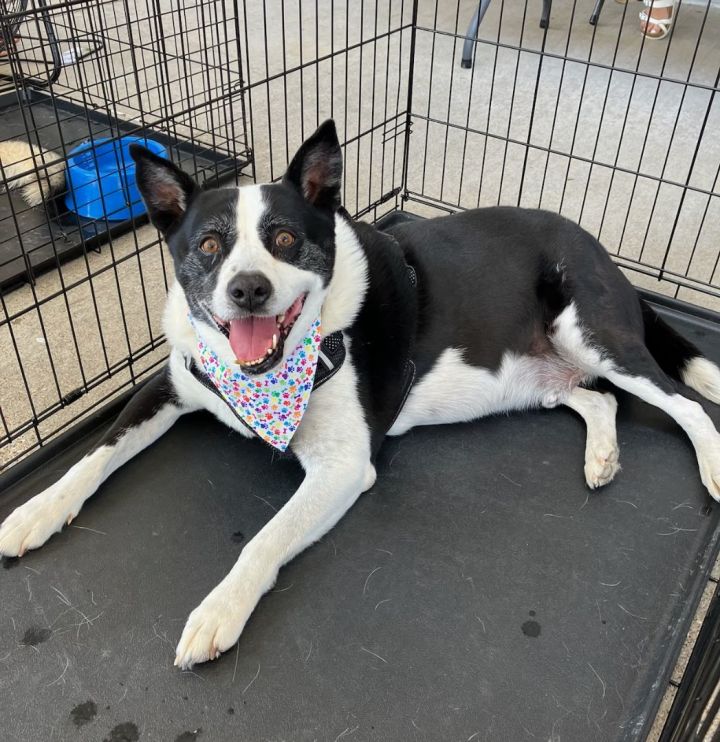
(270, 404)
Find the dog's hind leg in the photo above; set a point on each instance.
(146, 417)
(601, 448)
(678, 357)
(635, 360)
(657, 389)
(649, 369)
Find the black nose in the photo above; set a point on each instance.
(249, 290)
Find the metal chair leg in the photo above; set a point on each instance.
(595, 16)
(472, 32)
(545, 17)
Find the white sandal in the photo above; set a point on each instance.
(663, 26)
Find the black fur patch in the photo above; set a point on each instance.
(166, 189)
(143, 406)
(670, 350)
(212, 213)
(553, 291)
(314, 230)
(384, 331)
(316, 170)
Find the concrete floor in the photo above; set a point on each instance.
(612, 119)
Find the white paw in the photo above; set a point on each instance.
(601, 462)
(709, 473)
(370, 477)
(32, 524)
(213, 627)
(707, 449)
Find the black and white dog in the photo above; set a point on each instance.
(496, 309)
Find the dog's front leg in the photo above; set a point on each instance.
(153, 409)
(333, 445)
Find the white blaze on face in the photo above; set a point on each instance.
(289, 283)
(248, 255)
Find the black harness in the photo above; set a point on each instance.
(409, 368)
(331, 357)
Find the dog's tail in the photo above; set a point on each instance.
(36, 172)
(678, 357)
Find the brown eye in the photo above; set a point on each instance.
(209, 245)
(284, 239)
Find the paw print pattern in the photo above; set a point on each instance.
(271, 404)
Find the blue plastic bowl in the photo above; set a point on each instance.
(118, 199)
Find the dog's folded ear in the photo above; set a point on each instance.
(165, 188)
(316, 169)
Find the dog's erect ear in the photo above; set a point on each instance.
(164, 187)
(316, 169)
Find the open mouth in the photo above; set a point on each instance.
(258, 341)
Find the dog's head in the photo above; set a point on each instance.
(254, 262)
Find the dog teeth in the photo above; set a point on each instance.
(254, 362)
(281, 318)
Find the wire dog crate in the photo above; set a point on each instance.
(77, 75)
(440, 106)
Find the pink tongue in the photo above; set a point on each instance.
(251, 338)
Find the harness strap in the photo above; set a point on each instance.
(408, 381)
